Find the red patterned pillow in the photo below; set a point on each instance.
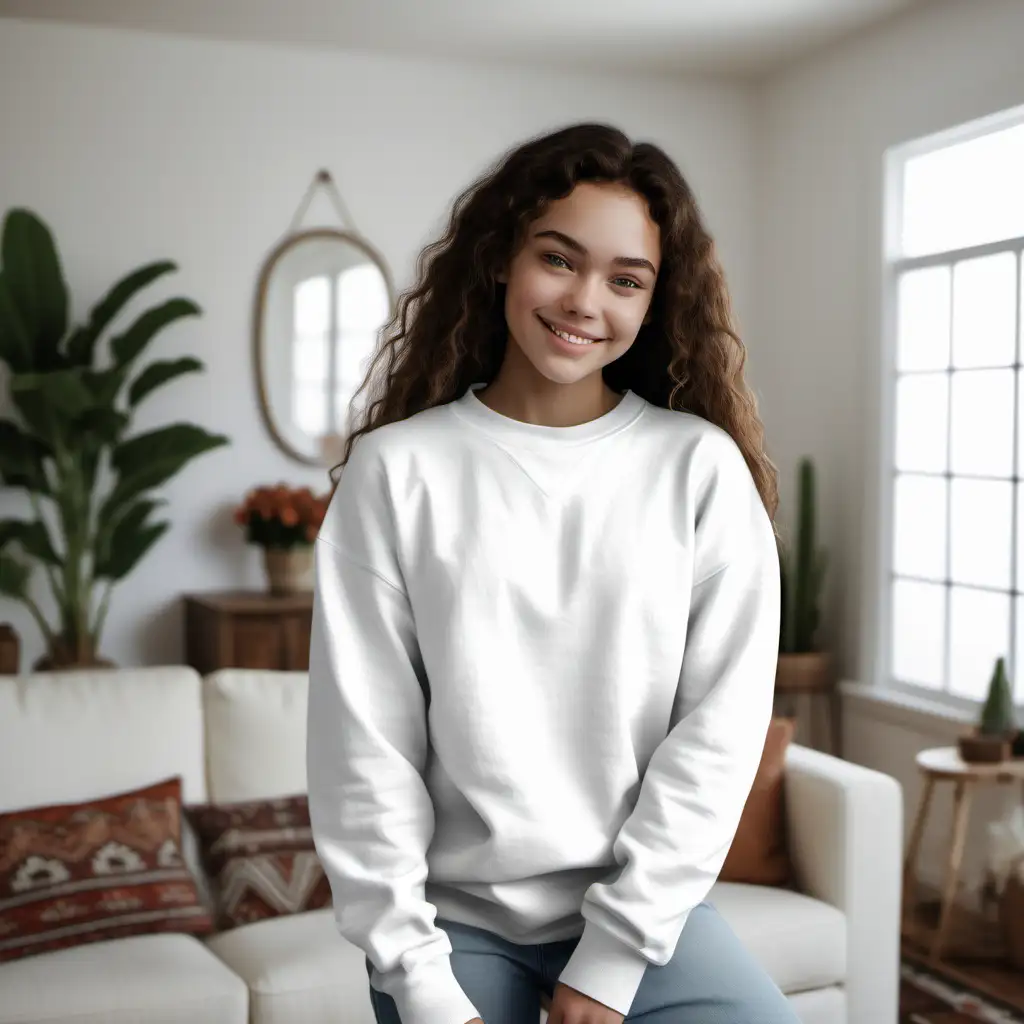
(261, 856)
(71, 874)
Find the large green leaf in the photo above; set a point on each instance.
(128, 548)
(127, 346)
(160, 372)
(22, 459)
(63, 391)
(32, 536)
(148, 460)
(36, 284)
(82, 342)
(14, 576)
(15, 343)
(127, 522)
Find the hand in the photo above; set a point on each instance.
(571, 1007)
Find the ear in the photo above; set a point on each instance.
(501, 277)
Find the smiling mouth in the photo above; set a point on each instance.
(573, 339)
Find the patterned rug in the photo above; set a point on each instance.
(928, 997)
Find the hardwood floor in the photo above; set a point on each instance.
(976, 955)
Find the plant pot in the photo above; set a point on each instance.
(289, 570)
(67, 656)
(978, 749)
(806, 672)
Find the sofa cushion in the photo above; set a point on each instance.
(799, 940)
(171, 979)
(759, 854)
(78, 873)
(119, 728)
(255, 734)
(298, 968)
(261, 858)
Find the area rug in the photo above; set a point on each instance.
(929, 997)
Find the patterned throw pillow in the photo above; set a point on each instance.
(261, 856)
(71, 874)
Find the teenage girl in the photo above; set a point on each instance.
(546, 614)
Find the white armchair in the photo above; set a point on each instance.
(846, 841)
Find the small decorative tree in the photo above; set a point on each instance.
(997, 715)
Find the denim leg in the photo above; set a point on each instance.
(711, 979)
(501, 978)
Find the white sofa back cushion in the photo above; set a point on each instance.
(72, 736)
(255, 733)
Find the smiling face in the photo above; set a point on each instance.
(581, 282)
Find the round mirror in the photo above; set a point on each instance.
(322, 298)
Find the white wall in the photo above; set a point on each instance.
(135, 147)
(823, 127)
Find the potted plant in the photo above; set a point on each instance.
(802, 667)
(73, 428)
(284, 522)
(992, 740)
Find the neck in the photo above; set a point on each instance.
(526, 395)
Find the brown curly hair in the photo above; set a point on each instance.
(449, 331)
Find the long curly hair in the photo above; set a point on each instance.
(448, 331)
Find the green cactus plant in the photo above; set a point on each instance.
(997, 715)
(802, 573)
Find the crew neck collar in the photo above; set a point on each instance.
(505, 427)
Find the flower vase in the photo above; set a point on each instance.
(289, 570)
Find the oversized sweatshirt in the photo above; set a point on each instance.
(541, 673)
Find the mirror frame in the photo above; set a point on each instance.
(289, 242)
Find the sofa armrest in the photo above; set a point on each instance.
(845, 830)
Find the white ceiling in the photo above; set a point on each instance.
(706, 37)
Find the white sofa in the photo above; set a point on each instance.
(240, 735)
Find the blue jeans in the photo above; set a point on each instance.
(711, 979)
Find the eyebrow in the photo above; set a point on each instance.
(621, 261)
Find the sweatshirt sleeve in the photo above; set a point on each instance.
(371, 815)
(673, 845)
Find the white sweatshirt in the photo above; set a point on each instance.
(541, 675)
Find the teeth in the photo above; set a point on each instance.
(571, 338)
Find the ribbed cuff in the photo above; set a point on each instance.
(605, 969)
(429, 994)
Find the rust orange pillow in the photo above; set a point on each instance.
(71, 874)
(261, 857)
(759, 853)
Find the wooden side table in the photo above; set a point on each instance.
(247, 629)
(944, 764)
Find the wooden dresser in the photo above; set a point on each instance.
(247, 629)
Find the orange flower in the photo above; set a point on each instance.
(289, 516)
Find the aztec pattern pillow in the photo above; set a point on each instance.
(261, 857)
(71, 874)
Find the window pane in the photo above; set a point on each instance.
(921, 422)
(309, 408)
(980, 516)
(309, 358)
(312, 305)
(1017, 680)
(979, 633)
(918, 632)
(919, 534)
(965, 194)
(982, 411)
(922, 341)
(355, 352)
(984, 295)
(362, 299)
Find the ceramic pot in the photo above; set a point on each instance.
(289, 570)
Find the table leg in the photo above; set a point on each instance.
(913, 849)
(961, 812)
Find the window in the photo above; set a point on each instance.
(954, 548)
(335, 323)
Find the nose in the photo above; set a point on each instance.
(580, 298)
